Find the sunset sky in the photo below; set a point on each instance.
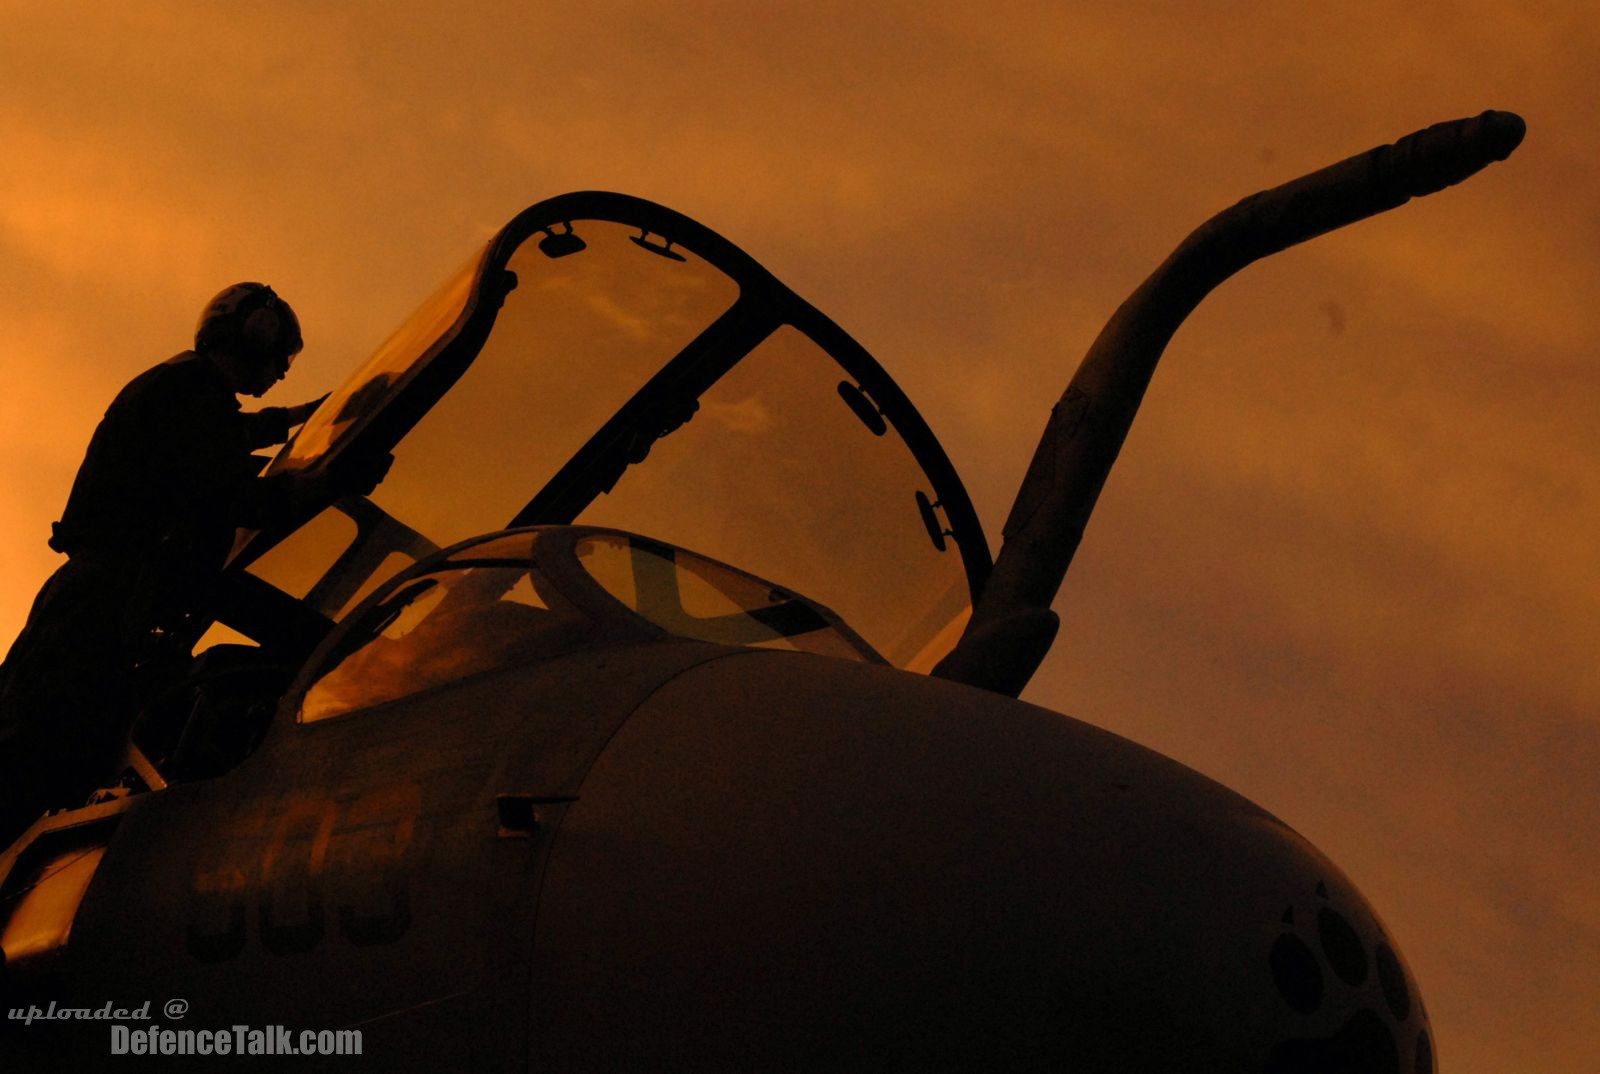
(1346, 563)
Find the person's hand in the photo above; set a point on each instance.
(298, 414)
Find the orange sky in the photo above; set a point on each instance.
(1345, 564)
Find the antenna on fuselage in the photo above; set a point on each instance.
(1012, 626)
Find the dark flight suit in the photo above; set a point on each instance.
(168, 476)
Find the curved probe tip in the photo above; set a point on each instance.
(1503, 131)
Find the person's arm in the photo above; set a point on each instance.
(299, 414)
(265, 427)
(203, 459)
(197, 449)
(270, 425)
(260, 501)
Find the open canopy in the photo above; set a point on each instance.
(605, 360)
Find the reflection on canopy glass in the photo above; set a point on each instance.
(776, 473)
(692, 597)
(490, 606)
(577, 337)
(442, 628)
(389, 368)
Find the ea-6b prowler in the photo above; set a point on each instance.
(504, 776)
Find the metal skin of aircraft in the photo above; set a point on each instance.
(508, 786)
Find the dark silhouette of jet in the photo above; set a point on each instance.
(489, 767)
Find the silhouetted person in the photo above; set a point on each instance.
(168, 476)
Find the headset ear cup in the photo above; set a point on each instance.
(224, 316)
(251, 315)
(259, 331)
(289, 341)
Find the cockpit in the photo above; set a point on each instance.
(607, 362)
(615, 385)
(529, 596)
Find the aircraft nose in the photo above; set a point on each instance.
(782, 860)
(1374, 1014)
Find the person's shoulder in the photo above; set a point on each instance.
(183, 375)
(185, 366)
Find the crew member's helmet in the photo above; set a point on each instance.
(250, 319)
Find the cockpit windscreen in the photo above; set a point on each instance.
(629, 368)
